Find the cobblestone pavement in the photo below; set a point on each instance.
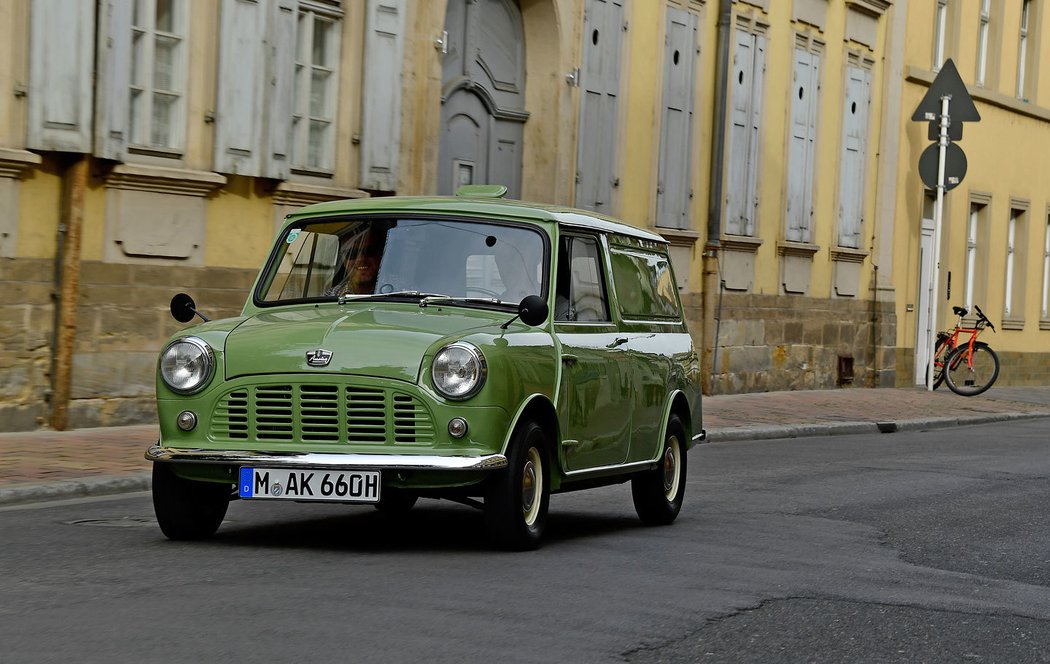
(41, 465)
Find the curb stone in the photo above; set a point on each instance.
(76, 488)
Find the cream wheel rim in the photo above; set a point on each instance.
(531, 486)
(672, 467)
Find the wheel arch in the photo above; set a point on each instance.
(678, 404)
(538, 408)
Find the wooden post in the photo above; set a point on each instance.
(68, 291)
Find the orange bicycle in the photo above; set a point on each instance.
(968, 366)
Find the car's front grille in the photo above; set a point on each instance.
(308, 413)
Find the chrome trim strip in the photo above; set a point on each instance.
(313, 460)
(637, 465)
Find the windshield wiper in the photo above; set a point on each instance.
(431, 299)
(403, 294)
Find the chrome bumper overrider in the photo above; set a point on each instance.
(311, 460)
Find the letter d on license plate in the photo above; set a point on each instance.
(345, 486)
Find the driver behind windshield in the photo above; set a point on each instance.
(359, 265)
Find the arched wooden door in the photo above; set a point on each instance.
(483, 96)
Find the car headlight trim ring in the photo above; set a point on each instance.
(459, 370)
(187, 365)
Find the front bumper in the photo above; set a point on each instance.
(334, 461)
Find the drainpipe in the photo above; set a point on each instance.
(716, 197)
(72, 223)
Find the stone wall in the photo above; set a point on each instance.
(768, 342)
(122, 322)
(1015, 368)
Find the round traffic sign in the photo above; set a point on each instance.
(954, 166)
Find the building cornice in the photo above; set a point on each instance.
(16, 163)
(164, 180)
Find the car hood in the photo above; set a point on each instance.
(381, 340)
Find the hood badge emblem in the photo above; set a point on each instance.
(318, 357)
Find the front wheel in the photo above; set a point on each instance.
(188, 509)
(517, 497)
(658, 493)
(971, 373)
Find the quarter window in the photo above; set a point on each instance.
(645, 287)
(158, 73)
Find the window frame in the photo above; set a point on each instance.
(302, 159)
(142, 89)
(604, 282)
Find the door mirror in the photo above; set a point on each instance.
(533, 310)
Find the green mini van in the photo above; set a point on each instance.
(481, 350)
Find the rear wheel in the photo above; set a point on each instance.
(658, 493)
(971, 373)
(938, 368)
(188, 509)
(517, 497)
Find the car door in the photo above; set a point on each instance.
(594, 403)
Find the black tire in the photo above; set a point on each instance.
(658, 493)
(938, 376)
(396, 502)
(518, 496)
(188, 509)
(971, 375)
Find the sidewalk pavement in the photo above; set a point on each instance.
(51, 465)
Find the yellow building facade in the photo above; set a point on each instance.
(995, 248)
(152, 146)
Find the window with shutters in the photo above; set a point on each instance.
(158, 74)
(1013, 301)
(316, 88)
(984, 27)
(854, 153)
(748, 72)
(940, 34)
(1045, 314)
(674, 189)
(1027, 52)
(975, 290)
(805, 101)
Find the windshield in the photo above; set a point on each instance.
(381, 257)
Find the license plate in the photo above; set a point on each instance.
(350, 486)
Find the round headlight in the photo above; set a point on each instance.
(187, 364)
(458, 370)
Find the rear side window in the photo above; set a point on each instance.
(645, 287)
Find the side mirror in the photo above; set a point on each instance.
(533, 310)
(183, 308)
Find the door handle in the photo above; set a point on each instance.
(569, 359)
(619, 341)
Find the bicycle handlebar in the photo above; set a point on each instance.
(982, 317)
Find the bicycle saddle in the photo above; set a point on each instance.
(960, 311)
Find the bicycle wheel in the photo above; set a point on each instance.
(970, 373)
(938, 367)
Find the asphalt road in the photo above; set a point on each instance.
(921, 546)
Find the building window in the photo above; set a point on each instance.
(747, 84)
(982, 41)
(1046, 270)
(1025, 52)
(1013, 302)
(974, 262)
(158, 73)
(940, 34)
(316, 63)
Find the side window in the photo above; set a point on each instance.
(580, 295)
(645, 287)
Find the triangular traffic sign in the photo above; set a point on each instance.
(948, 82)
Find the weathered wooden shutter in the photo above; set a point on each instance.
(745, 117)
(61, 59)
(242, 77)
(673, 192)
(599, 105)
(381, 94)
(805, 97)
(280, 89)
(854, 156)
(112, 102)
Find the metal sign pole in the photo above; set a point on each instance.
(938, 211)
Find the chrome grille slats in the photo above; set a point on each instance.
(321, 413)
